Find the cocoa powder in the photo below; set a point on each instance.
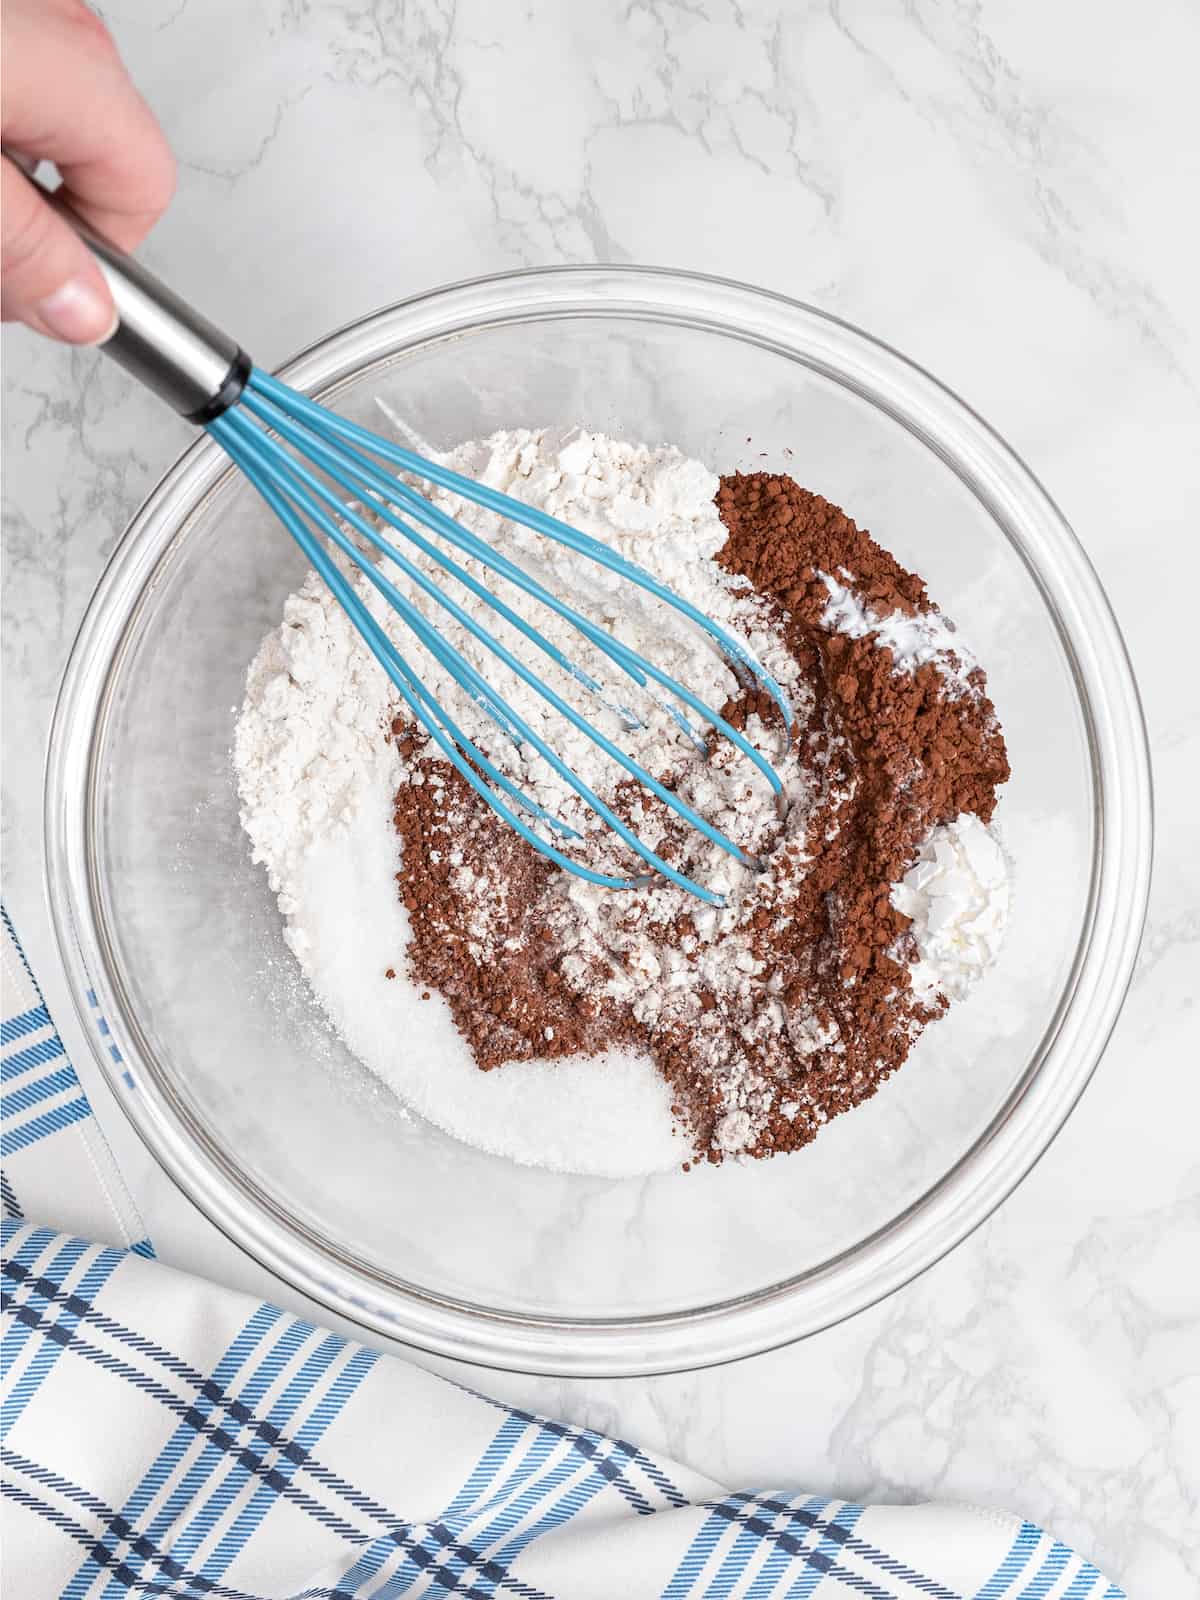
(897, 755)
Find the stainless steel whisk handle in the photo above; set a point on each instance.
(160, 339)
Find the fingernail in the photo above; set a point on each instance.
(78, 313)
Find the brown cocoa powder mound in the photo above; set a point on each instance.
(918, 750)
(919, 757)
(503, 988)
(897, 754)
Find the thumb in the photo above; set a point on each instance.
(48, 278)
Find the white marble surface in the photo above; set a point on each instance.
(1006, 191)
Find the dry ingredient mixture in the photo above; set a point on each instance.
(884, 892)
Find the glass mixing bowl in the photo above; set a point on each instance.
(252, 1104)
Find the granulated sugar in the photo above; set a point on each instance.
(639, 1028)
(609, 1116)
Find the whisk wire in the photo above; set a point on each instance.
(423, 706)
(461, 670)
(310, 509)
(293, 479)
(286, 476)
(327, 423)
(371, 482)
(358, 474)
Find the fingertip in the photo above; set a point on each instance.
(48, 278)
(79, 312)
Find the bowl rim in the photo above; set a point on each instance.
(1038, 1103)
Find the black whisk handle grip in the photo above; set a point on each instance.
(161, 340)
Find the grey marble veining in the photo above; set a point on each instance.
(1003, 190)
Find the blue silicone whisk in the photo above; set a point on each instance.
(277, 437)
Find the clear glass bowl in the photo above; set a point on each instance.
(232, 1076)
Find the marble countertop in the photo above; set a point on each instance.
(1001, 190)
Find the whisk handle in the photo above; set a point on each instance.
(160, 339)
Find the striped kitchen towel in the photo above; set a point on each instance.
(57, 1165)
(163, 1436)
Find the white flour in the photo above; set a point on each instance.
(957, 895)
(316, 779)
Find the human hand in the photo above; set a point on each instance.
(67, 98)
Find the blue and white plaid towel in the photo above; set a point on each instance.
(163, 1436)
